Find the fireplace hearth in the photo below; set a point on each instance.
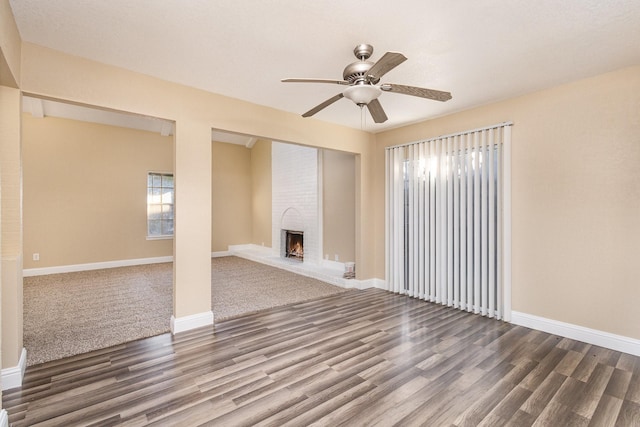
(294, 245)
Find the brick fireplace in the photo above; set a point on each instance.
(295, 204)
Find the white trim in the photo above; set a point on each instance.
(94, 266)
(580, 333)
(249, 246)
(379, 284)
(166, 128)
(35, 106)
(161, 237)
(220, 254)
(370, 283)
(356, 284)
(12, 377)
(4, 418)
(186, 323)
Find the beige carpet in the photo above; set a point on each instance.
(73, 313)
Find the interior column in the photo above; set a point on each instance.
(365, 224)
(13, 353)
(192, 226)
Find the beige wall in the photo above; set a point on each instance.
(85, 188)
(261, 193)
(10, 47)
(11, 163)
(11, 225)
(575, 198)
(68, 222)
(338, 204)
(49, 73)
(231, 195)
(11, 309)
(553, 159)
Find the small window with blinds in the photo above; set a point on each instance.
(160, 205)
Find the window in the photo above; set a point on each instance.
(159, 205)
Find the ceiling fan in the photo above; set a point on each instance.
(362, 78)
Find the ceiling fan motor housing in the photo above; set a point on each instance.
(356, 73)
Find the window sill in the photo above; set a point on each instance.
(166, 237)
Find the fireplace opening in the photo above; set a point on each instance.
(294, 246)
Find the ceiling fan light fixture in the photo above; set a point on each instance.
(362, 94)
(362, 78)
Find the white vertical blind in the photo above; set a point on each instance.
(445, 220)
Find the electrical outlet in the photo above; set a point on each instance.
(337, 257)
(36, 257)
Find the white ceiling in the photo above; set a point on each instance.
(481, 51)
(48, 108)
(41, 108)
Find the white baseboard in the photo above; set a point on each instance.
(94, 266)
(12, 377)
(378, 284)
(365, 284)
(567, 330)
(4, 418)
(220, 254)
(579, 333)
(186, 323)
(245, 246)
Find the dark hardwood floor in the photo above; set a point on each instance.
(358, 358)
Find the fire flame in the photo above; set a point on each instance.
(296, 250)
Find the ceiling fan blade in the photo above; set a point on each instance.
(436, 95)
(332, 81)
(378, 114)
(388, 62)
(322, 105)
